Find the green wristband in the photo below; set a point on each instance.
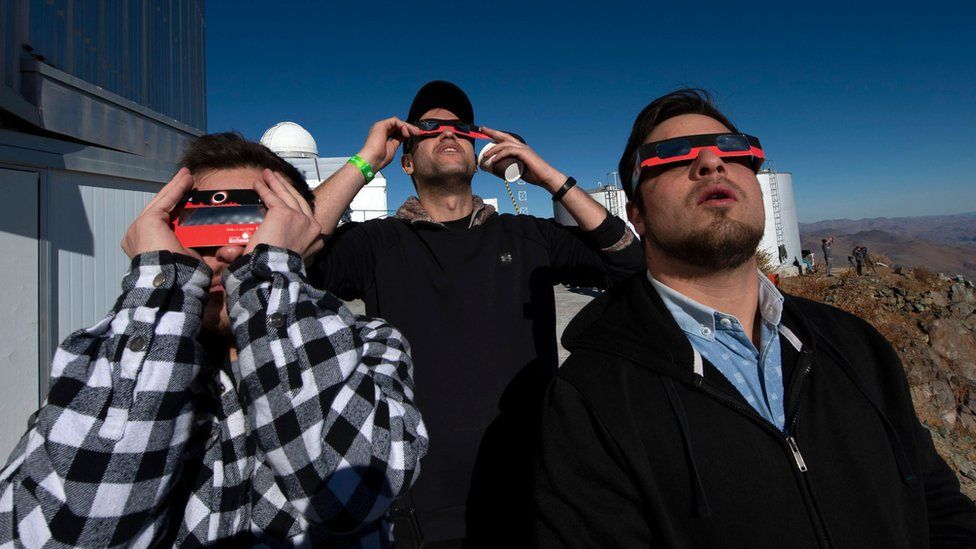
(363, 166)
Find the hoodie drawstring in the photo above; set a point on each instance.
(702, 508)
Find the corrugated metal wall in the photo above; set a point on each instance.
(19, 377)
(84, 219)
(149, 51)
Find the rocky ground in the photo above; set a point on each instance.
(931, 321)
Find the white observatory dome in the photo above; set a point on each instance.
(289, 140)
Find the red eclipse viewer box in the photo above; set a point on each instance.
(217, 218)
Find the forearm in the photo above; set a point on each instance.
(588, 213)
(600, 257)
(345, 388)
(335, 194)
(94, 431)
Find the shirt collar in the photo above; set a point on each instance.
(412, 211)
(694, 317)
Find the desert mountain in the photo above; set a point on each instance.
(959, 229)
(945, 244)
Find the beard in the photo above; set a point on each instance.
(443, 178)
(447, 180)
(723, 245)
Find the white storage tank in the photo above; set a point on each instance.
(610, 197)
(781, 238)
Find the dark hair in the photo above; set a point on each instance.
(676, 103)
(227, 150)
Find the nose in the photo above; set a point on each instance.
(227, 254)
(707, 163)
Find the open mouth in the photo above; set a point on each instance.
(716, 195)
(216, 285)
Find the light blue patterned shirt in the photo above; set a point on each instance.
(720, 339)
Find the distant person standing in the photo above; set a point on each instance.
(859, 253)
(798, 265)
(828, 255)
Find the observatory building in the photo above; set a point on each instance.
(293, 143)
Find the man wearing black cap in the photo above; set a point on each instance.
(472, 292)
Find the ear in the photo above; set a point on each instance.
(406, 162)
(636, 219)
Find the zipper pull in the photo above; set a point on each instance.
(797, 456)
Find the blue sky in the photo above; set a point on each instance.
(873, 109)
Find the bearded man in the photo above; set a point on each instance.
(472, 290)
(702, 408)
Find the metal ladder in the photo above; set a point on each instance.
(775, 201)
(611, 196)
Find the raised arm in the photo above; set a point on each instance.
(335, 194)
(602, 251)
(588, 213)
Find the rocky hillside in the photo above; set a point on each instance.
(931, 322)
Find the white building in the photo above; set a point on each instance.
(293, 143)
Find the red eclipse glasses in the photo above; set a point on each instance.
(217, 218)
(687, 148)
(434, 127)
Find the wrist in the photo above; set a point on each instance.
(568, 184)
(555, 181)
(370, 159)
(364, 166)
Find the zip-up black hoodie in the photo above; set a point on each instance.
(638, 450)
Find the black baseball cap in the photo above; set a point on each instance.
(441, 94)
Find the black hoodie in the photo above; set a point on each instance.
(475, 300)
(639, 451)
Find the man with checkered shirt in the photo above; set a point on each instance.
(223, 399)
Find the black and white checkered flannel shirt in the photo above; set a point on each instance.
(151, 436)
